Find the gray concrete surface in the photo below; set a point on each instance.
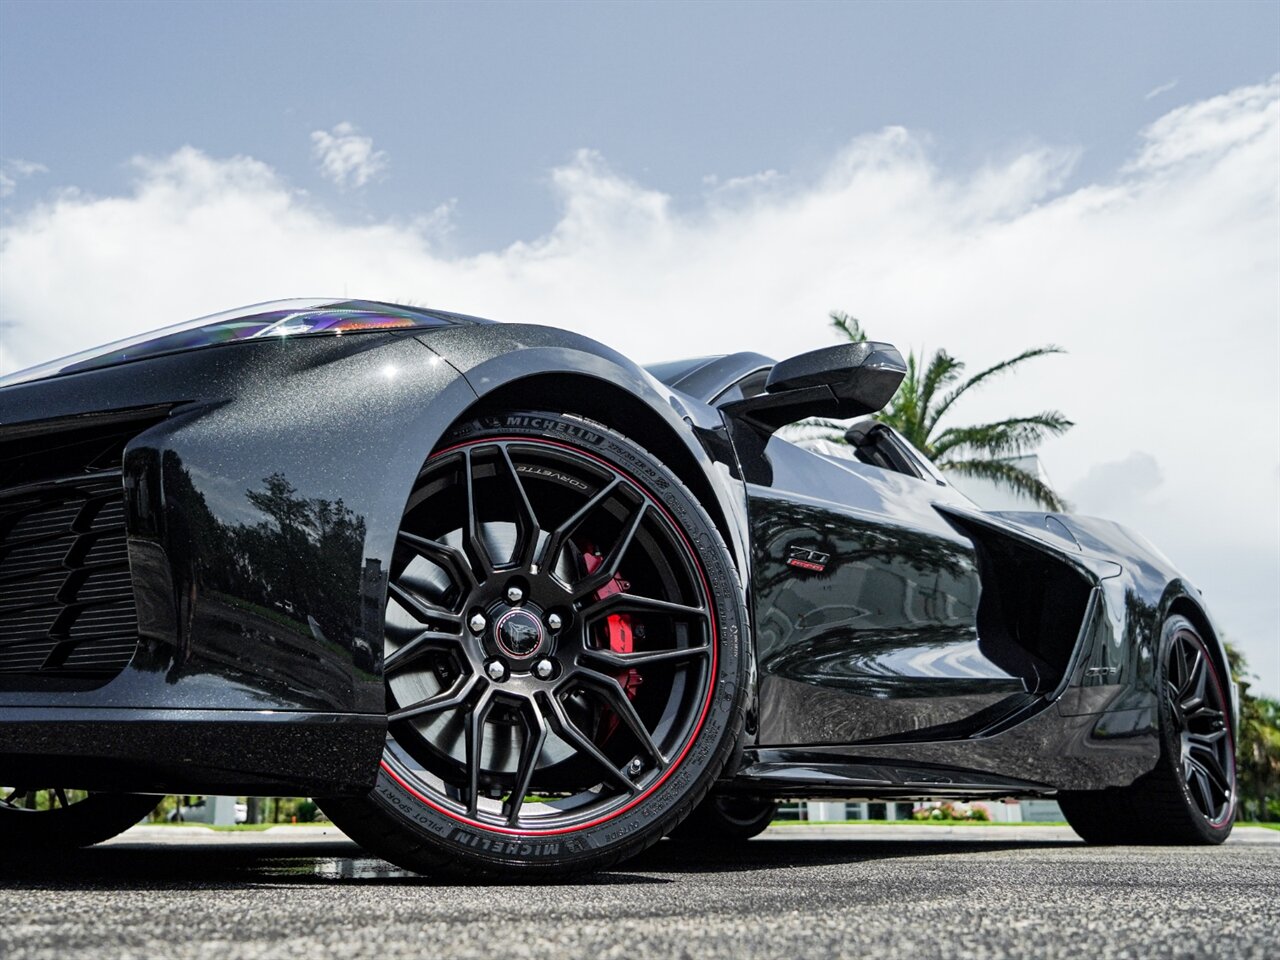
(797, 892)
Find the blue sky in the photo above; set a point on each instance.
(475, 103)
(681, 179)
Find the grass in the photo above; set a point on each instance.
(250, 827)
(968, 823)
(939, 823)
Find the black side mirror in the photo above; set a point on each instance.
(840, 382)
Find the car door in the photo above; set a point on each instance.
(865, 599)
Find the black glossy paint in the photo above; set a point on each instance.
(883, 657)
(263, 505)
(884, 641)
(262, 513)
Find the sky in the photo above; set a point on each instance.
(676, 179)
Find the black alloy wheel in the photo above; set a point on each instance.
(554, 646)
(61, 818)
(1190, 796)
(1200, 721)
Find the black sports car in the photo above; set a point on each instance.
(510, 603)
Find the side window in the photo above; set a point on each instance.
(878, 445)
(752, 385)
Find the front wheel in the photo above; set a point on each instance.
(563, 656)
(1190, 796)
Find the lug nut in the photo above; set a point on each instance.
(478, 623)
(543, 669)
(554, 621)
(496, 670)
(514, 594)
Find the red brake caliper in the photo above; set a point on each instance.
(619, 630)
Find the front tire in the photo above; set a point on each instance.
(564, 656)
(1190, 796)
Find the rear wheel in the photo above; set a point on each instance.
(57, 818)
(1190, 796)
(563, 662)
(725, 820)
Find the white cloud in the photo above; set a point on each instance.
(1114, 488)
(1163, 88)
(11, 171)
(1206, 129)
(346, 157)
(1161, 282)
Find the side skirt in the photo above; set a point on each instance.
(253, 753)
(802, 773)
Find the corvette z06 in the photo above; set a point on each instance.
(511, 605)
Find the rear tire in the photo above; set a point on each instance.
(82, 822)
(1190, 796)
(726, 820)
(564, 656)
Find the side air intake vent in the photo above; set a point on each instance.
(66, 599)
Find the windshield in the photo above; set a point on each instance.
(672, 372)
(274, 319)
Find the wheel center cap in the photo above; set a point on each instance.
(519, 633)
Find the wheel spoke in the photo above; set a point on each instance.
(608, 568)
(422, 610)
(1180, 658)
(1199, 781)
(449, 699)
(535, 736)
(530, 528)
(472, 542)
(1192, 694)
(562, 533)
(453, 560)
(427, 641)
(630, 603)
(1203, 715)
(474, 729)
(623, 661)
(1208, 761)
(565, 728)
(617, 700)
(1206, 740)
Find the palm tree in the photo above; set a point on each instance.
(987, 450)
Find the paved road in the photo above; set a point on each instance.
(795, 893)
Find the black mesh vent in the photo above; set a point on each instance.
(66, 599)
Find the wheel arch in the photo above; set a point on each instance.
(596, 399)
(1183, 605)
(565, 372)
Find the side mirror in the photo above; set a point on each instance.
(840, 382)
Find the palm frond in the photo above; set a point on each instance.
(904, 412)
(943, 369)
(848, 326)
(813, 428)
(1004, 438)
(976, 379)
(1011, 477)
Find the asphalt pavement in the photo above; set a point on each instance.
(797, 892)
